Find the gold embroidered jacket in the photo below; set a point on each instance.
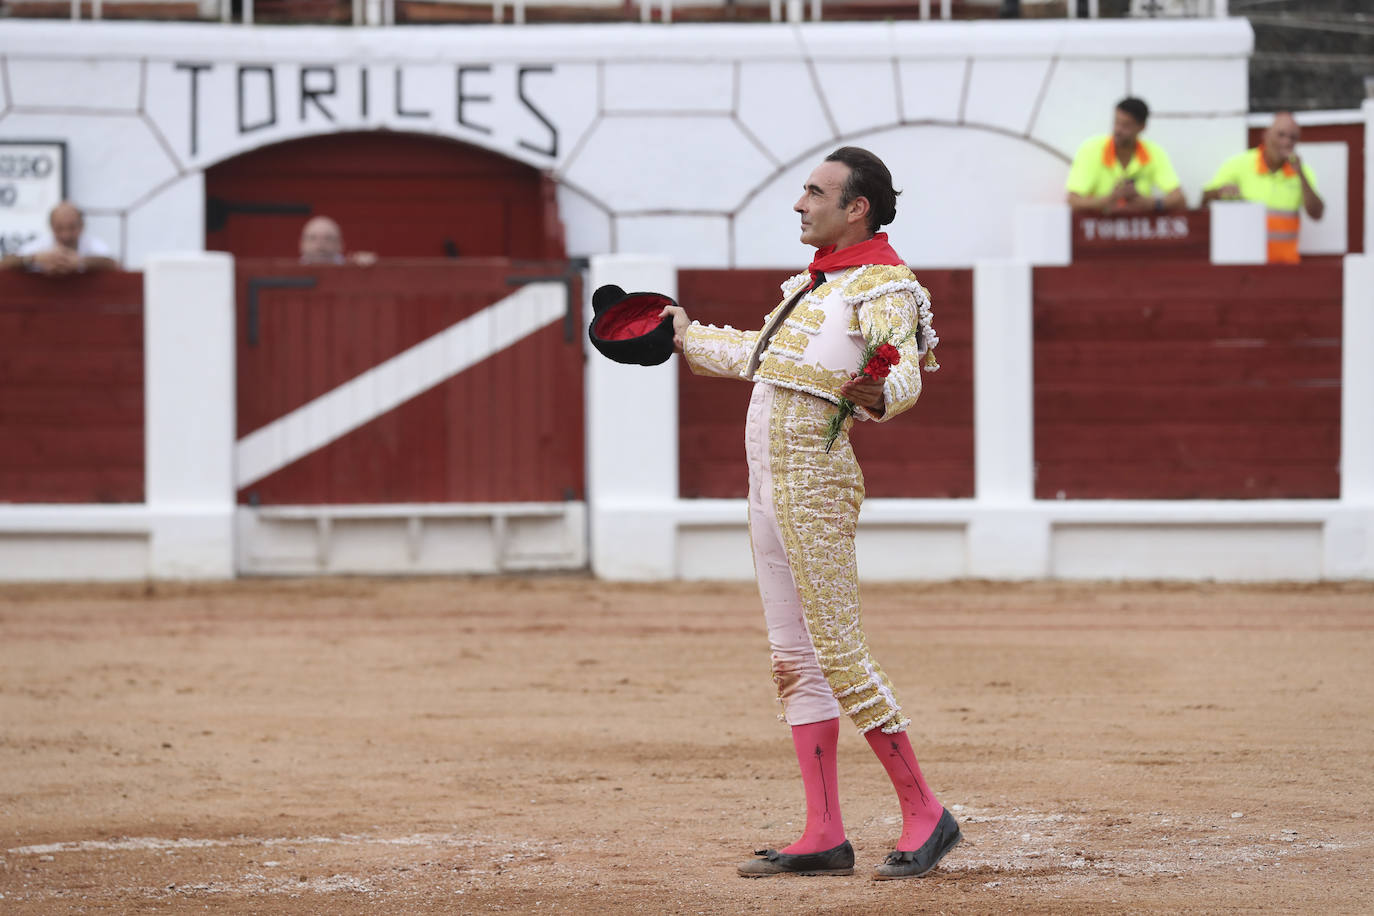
(816, 344)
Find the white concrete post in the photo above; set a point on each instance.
(632, 442)
(1239, 233)
(1368, 176)
(1006, 540)
(1044, 235)
(189, 413)
(1357, 380)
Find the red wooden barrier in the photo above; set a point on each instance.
(925, 453)
(507, 429)
(1185, 381)
(71, 388)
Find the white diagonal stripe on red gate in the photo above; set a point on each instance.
(389, 384)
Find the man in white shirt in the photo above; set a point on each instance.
(66, 249)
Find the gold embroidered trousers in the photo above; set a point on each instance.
(803, 511)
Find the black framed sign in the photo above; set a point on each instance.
(33, 180)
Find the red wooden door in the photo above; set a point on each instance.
(398, 195)
(505, 425)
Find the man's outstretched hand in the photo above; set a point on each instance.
(680, 323)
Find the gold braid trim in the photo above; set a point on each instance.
(816, 496)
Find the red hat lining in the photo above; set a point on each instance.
(631, 317)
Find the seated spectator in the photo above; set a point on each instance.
(1120, 171)
(66, 249)
(1273, 175)
(322, 243)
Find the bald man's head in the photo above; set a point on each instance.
(321, 242)
(66, 223)
(1281, 138)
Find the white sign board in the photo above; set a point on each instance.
(33, 180)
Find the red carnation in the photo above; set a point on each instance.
(877, 368)
(879, 358)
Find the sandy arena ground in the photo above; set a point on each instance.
(561, 745)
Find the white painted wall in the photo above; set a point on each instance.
(684, 141)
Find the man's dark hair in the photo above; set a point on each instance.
(868, 178)
(1136, 108)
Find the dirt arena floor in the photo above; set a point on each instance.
(560, 745)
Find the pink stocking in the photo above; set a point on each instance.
(816, 744)
(920, 809)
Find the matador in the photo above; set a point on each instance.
(804, 498)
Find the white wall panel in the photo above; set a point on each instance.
(74, 83)
(779, 105)
(659, 163)
(932, 90)
(654, 88)
(586, 226)
(692, 241)
(860, 95)
(1200, 85)
(112, 159)
(167, 221)
(1003, 93)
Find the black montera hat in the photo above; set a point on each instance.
(626, 326)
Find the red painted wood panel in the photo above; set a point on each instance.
(927, 452)
(71, 388)
(1180, 235)
(1188, 381)
(508, 429)
(396, 194)
(1352, 135)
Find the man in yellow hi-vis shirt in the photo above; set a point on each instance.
(1120, 172)
(1273, 175)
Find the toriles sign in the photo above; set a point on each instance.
(231, 105)
(1184, 234)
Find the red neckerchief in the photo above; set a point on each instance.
(873, 251)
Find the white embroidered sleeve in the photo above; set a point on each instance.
(720, 352)
(892, 316)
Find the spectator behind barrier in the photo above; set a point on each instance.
(1120, 171)
(322, 243)
(65, 250)
(1272, 174)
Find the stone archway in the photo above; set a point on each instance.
(397, 194)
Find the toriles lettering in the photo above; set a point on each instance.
(319, 98)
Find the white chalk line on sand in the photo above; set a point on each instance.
(1007, 845)
(147, 843)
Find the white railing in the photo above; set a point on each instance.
(383, 12)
